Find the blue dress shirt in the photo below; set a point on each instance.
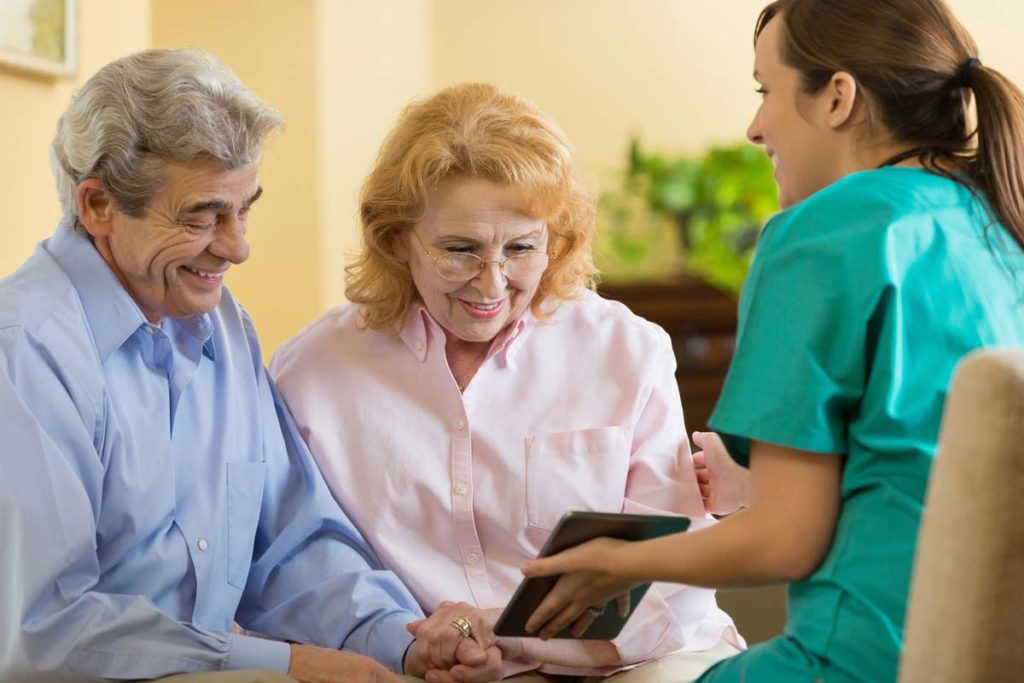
(161, 492)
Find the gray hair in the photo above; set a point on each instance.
(142, 111)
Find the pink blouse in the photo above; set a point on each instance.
(454, 491)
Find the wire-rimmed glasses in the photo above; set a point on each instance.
(458, 266)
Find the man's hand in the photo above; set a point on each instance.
(310, 664)
(441, 654)
(724, 485)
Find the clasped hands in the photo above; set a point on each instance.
(456, 644)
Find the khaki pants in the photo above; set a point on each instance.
(230, 677)
(683, 667)
(679, 668)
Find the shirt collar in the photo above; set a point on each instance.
(416, 331)
(510, 341)
(112, 314)
(200, 327)
(420, 330)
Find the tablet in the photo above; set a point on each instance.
(575, 528)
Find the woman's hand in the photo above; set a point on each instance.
(589, 580)
(442, 654)
(724, 485)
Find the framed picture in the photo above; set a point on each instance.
(38, 35)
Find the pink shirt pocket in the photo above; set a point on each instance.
(583, 469)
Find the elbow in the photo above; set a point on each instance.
(797, 567)
(793, 559)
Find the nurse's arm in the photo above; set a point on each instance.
(783, 536)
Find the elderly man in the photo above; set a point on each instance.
(154, 490)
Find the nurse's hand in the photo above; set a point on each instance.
(589, 580)
(724, 485)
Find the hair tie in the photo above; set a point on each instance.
(963, 76)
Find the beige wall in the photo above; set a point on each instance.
(29, 109)
(375, 57)
(676, 72)
(996, 26)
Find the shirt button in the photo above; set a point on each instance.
(419, 346)
(149, 329)
(203, 544)
(459, 425)
(460, 489)
(472, 558)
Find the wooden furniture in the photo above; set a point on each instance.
(701, 320)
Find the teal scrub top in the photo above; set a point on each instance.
(859, 304)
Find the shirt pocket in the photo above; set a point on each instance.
(245, 499)
(576, 470)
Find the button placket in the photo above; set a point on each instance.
(462, 510)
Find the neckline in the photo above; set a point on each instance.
(907, 154)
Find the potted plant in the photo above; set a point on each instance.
(714, 205)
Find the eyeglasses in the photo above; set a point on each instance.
(460, 266)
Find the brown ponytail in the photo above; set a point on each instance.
(918, 67)
(997, 166)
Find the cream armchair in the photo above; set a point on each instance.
(965, 622)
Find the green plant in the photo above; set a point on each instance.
(718, 204)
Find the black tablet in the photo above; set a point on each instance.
(575, 528)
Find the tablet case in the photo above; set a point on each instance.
(572, 529)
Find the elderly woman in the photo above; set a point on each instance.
(477, 388)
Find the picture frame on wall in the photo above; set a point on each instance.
(38, 36)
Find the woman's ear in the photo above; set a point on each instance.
(843, 103)
(400, 247)
(95, 207)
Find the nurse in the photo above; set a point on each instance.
(898, 252)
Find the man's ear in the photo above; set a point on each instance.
(95, 207)
(843, 104)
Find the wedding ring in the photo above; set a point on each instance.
(463, 626)
(595, 612)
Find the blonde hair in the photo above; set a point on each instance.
(473, 130)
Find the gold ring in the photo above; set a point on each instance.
(463, 626)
